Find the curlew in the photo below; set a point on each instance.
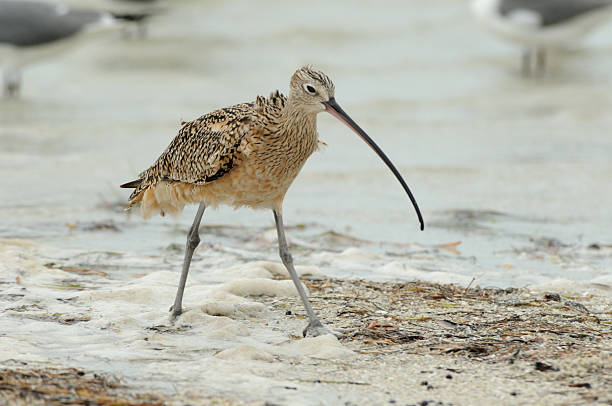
(541, 25)
(246, 155)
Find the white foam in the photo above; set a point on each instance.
(399, 271)
(26, 259)
(267, 269)
(19, 347)
(351, 259)
(355, 254)
(133, 294)
(225, 336)
(243, 353)
(232, 307)
(598, 286)
(215, 327)
(326, 346)
(260, 286)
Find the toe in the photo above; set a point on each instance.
(316, 328)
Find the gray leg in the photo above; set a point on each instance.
(541, 61)
(12, 82)
(193, 239)
(526, 62)
(315, 327)
(142, 29)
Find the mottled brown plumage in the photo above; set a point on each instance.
(243, 155)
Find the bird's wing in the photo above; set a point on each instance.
(555, 11)
(24, 23)
(209, 147)
(205, 149)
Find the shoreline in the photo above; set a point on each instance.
(401, 343)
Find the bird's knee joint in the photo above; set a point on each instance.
(12, 89)
(193, 241)
(286, 257)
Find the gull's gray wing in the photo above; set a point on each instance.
(553, 12)
(26, 23)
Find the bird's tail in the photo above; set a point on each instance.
(136, 195)
(160, 197)
(131, 185)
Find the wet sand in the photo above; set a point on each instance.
(497, 162)
(511, 176)
(28, 386)
(74, 335)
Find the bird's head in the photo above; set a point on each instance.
(311, 89)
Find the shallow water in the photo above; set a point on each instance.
(516, 170)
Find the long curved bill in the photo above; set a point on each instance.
(335, 110)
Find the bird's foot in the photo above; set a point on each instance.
(315, 328)
(174, 313)
(12, 89)
(12, 83)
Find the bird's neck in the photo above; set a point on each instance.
(295, 120)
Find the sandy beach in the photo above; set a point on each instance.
(73, 335)
(504, 299)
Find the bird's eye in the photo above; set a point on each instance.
(310, 89)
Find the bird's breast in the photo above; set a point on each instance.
(263, 175)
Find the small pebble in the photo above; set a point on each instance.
(512, 393)
(288, 313)
(449, 376)
(551, 296)
(424, 383)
